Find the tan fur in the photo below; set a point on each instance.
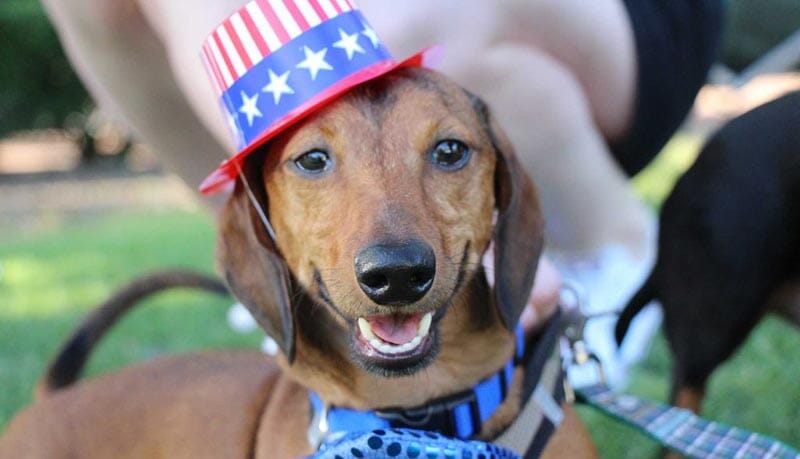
(689, 398)
(786, 302)
(383, 188)
(571, 439)
(464, 359)
(197, 405)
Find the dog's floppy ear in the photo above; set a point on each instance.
(518, 233)
(252, 266)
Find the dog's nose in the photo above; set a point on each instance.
(396, 274)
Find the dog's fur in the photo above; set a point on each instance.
(301, 287)
(729, 244)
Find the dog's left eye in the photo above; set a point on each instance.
(450, 154)
(314, 162)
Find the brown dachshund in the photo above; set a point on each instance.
(382, 205)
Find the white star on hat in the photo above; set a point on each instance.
(349, 43)
(369, 32)
(277, 85)
(314, 61)
(249, 107)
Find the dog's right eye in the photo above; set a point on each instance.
(450, 155)
(313, 162)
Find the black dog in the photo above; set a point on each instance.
(729, 244)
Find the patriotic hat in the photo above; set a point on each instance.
(275, 61)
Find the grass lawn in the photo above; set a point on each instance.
(51, 277)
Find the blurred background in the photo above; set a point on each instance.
(84, 208)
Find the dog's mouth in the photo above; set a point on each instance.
(390, 344)
(395, 344)
(395, 334)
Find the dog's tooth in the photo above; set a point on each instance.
(389, 348)
(413, 344)
(392, 349)
(405, 347)
(409, 345)
(366, 330)
(424, 324)
(383, 347)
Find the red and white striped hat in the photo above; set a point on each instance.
(275, 61)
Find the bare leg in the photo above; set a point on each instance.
(127, 71)
(586, 197)
(182, 28)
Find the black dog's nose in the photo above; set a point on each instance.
(396, 274)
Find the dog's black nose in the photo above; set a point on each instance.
(396, 274)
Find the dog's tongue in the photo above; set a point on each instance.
(396, 328)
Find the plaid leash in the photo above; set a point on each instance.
(683, 431)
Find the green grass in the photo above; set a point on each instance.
(52, 276)
(757, 390)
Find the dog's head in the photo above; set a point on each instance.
(383, 204)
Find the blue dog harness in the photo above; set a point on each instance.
(409, 443)
(446, 427)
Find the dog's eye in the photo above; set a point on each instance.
(314, 162)
(450, 154)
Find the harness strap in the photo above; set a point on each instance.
(542, 393)
(683, 431)
(540, 415)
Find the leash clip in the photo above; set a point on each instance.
(319, 430)
(577, 355)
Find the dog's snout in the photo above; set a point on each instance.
(396, 274)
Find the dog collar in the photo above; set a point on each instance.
(461, 415)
